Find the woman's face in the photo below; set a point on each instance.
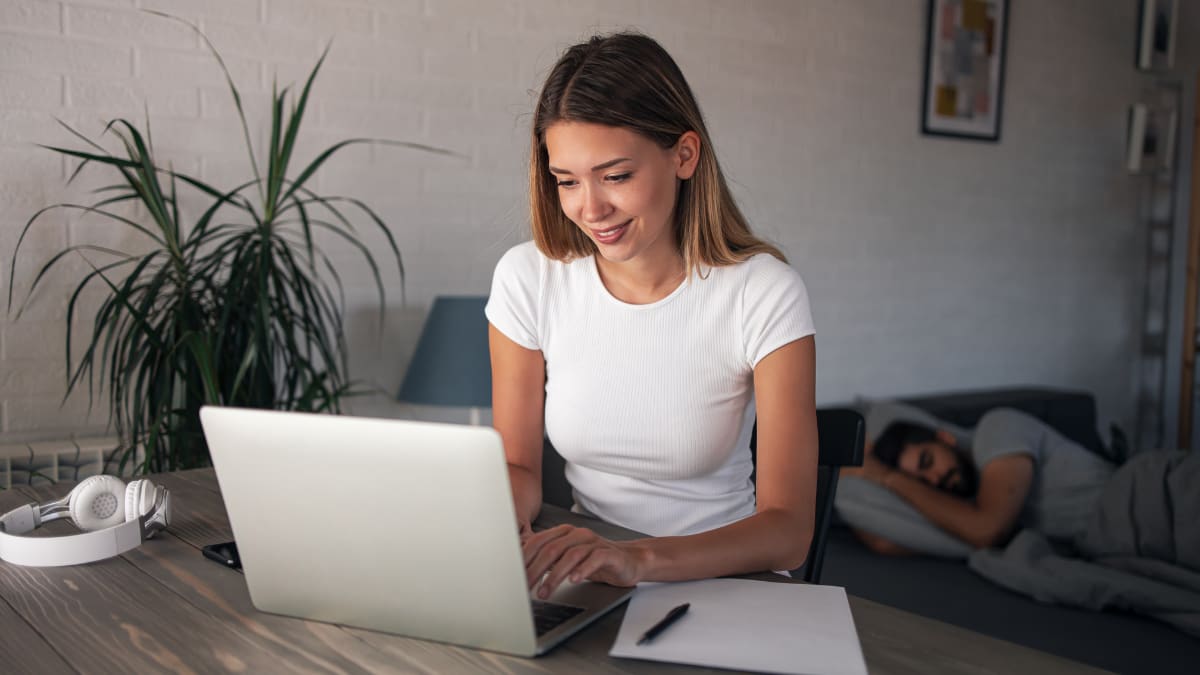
(619, 187)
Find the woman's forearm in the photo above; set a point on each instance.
(769, 540)
(527, 493)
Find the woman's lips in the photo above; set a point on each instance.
(613, 234)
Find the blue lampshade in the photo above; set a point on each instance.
(451, 366)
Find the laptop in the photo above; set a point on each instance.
(396, 526)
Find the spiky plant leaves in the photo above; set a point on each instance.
(237, 307)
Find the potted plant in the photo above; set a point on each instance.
(237, 306)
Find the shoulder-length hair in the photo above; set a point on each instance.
(628, 80)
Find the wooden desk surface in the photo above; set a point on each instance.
(165, 608)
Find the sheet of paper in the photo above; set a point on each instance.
(746, 625)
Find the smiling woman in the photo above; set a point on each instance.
(624, 205)
(642, 330)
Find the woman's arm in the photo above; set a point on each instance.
(776, 537)
(518, 396)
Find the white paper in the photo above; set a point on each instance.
(746, 625)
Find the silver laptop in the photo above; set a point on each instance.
(397, 526)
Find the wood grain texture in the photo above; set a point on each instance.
(22, 648)
(205, 478)
(165, 608)
(895, 641)
(115, 616)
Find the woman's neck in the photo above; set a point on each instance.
(639, 281)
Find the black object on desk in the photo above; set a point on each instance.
(671, 617)
(225, 554)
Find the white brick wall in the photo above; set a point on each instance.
(932, 263)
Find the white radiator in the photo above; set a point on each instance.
(66, 460)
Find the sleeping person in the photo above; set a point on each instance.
(1033, 511)
(1017, 473)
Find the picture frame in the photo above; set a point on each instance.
(965, 46)
(1151, 145)
(1157, 21)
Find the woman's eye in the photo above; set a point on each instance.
(619, 177)
(566, 183)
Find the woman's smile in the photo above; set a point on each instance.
(611, 235)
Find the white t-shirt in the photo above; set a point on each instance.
(651, 405)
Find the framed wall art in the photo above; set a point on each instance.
(964, 68)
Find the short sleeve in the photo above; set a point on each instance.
(512, 306)
(775, 308)
(1005, 431)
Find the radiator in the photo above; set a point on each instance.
(67, 460)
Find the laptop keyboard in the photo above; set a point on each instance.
(548, 615)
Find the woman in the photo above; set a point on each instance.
(640, 330)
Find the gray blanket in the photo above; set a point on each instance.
(1141, 551)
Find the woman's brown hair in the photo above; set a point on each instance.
(628, 80)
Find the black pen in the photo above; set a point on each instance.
(671, 617)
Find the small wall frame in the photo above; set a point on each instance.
(964, 68)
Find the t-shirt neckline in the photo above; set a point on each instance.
(608, 296)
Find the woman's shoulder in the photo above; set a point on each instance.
(527, 255)
(768, 262)
(764, 269)
(526, 266)
(523, 260)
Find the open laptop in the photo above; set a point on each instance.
(403, 527)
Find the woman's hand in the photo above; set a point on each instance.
(575, 553)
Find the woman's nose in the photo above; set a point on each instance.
(595, 207)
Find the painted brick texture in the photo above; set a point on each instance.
(932, 264)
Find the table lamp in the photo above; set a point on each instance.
(452, 366)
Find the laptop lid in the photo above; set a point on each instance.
(399, 526)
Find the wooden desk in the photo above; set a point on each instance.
(165, 608)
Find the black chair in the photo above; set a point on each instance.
(840, 433)
(840, 437)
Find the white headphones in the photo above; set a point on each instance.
(115, 519)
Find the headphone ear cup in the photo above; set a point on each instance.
(139, 499)
(97, 503)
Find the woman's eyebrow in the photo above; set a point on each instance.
(598, 167)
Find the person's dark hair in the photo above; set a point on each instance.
(891, 442)
(628, 80)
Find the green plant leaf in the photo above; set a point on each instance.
(236, 304)
(233, 90)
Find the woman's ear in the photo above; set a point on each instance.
(687, 154)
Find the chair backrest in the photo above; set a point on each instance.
(555, 488)
(840, 434)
